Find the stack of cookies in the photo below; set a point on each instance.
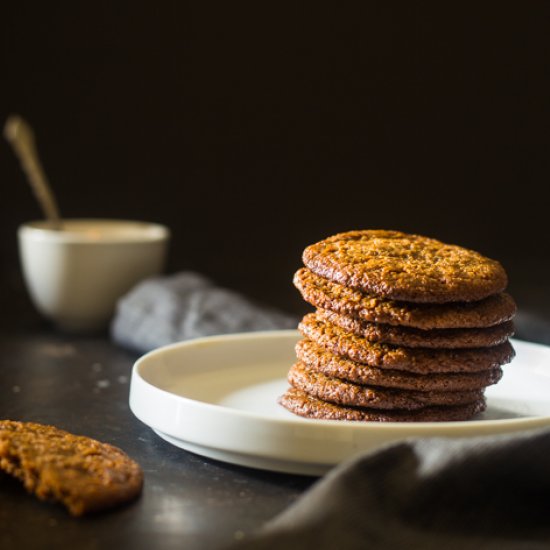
(407, 328)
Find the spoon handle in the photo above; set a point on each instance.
(21, 137)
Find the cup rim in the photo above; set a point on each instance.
(95, 230)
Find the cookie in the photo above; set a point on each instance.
(341, 392)
(399, 266)
(420, 360)
(326, 294)
(302, 404)
(81, 473)
(453, 338)
(331, 365)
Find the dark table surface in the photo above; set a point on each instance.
(81, 384)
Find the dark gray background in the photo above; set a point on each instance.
(254, 131)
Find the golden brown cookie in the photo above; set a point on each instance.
(421, 360)
(341, 392)
(452, 338)
(400, 266)
(327, 294)
(331, 365)
(81, 473)
(302, 404)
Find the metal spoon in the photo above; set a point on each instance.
(21, 137)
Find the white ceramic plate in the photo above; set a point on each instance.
(217, 397)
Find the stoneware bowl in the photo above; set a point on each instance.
(76, 274)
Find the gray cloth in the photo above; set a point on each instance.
(164, 310)
(483, 493)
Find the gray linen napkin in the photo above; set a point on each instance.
(164, 310)
(483, 493)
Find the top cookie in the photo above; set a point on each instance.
(400, 266)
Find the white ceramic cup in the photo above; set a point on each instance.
(75, 275)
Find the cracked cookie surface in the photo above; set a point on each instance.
(315, 357)
(342, 392)
(421, 360)
(452, 338)
(83, 474)
(326, 294)
(400, 266)
(305, 405)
